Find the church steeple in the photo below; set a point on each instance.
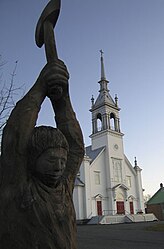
(103, 82)
(105, 110)
(102, 66)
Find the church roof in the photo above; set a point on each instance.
(158, 197)
(79, 182)
(129, 165)
(104, 97)
(93, 153)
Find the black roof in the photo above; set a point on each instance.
(93, 153)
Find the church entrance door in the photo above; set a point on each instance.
(99, 207)
(120, 207)
(131, 207)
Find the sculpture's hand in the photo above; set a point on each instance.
(56, 77)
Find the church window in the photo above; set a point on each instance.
(97, 177)
(99, 122)
(112, 121)
(117, 169)
(128, 181)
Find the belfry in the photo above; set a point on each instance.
(105, 110)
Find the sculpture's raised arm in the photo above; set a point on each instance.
(65, 117)
(18, 130)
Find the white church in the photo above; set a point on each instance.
(107, 183)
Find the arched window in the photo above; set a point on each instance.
(112, 122)
(99, 122)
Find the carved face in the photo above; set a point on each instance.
(50, 165)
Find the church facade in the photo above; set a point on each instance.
(107, 183)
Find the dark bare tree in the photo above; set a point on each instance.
(9, 93)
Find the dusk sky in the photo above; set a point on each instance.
(131, 34)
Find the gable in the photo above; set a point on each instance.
(120, 185)
(129, 165)
(93, 154)
(157, 198)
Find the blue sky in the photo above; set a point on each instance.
(131, 34)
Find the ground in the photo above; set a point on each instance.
(148, 235)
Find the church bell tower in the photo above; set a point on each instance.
(105, 114)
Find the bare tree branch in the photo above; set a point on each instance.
(8, 93)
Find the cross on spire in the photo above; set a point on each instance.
(101, 51)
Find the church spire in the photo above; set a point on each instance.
(105, 110)
(103, 82)
(102, 66)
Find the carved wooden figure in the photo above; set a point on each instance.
(39, 166)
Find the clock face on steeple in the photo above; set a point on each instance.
(115, 146)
